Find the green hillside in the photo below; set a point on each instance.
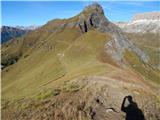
(42, 66)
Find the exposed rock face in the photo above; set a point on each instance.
(94, 6)
(92, 16)
(96, 19)
(119, 44)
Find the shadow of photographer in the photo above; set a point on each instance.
(132, 111)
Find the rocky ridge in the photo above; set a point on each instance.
(119, 42)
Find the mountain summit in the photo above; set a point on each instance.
(81, 68)
(93, 17)
(94, 7)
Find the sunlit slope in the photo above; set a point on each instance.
(62, 56)
(37, 65)
(150, 43)
(87, 48)
(69, 56)
(65, 49)
(145, 70)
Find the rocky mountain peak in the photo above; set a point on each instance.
(93, 17)
(94, 7)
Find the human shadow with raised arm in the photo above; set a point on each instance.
(132, 111)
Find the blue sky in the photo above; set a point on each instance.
(39, 12)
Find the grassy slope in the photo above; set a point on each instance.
(148, 72)
(85, 49)
(42, 66)
(145, 39)
(54, 58)
(149, 42)
(37, 66)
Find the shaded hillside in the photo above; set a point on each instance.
(77, 69)
(8, 33)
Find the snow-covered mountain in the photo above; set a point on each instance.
(142, 23)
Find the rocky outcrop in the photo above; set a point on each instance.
(93, 17)
(119, 44)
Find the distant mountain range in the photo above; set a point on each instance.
(32, 27)
(148, 22)
(9, 32)
(147, 16)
